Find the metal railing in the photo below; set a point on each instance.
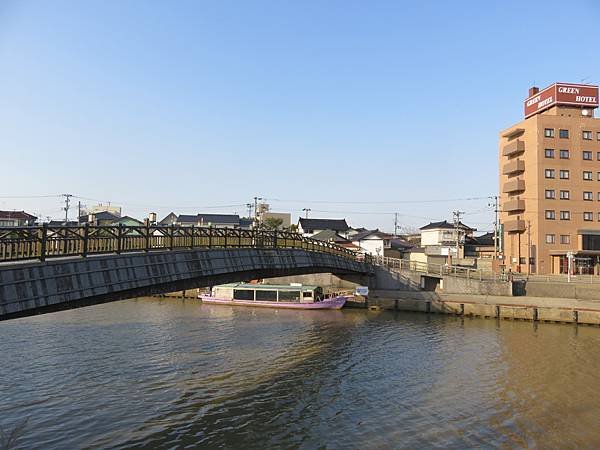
(41, 242)
(396, 264)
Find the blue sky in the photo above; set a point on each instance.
(353, 109)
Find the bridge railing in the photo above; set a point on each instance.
(41, 242)
(435, 269)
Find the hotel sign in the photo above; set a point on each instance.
(583, 95)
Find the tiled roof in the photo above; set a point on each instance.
(444, 225)
(324, 224)
(21, 215)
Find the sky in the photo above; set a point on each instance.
(349, 108)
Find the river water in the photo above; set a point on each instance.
(172, 373)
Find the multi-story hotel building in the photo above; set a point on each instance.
(550, 183)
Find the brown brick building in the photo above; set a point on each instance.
(550, 183)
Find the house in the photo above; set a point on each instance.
(246, 223)
(308, 227)
(100, 218)
(480, 246)
(336, 238)
(128, 221)
(375, 242)
(203, 220)
(16, 219)
(440, 238)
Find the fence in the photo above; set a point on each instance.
(41, 242)
(436, 269)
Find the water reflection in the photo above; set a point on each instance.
(171, 373)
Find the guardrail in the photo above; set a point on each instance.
(41, 242)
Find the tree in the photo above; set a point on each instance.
(272, 223)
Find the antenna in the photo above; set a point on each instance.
(584, 79)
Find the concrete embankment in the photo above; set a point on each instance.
(542, 309)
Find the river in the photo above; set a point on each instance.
(172, 373)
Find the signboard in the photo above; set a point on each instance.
(582, 95)
(362, 290)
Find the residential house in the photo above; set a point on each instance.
(100, 218)
(308, 227)
(336, 238)
(440, 239)
(206, 220)
(16, 219)
(379, 243)
(127, 221)
(480, 246)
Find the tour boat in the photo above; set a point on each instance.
(293, 296)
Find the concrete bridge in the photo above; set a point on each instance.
(45, 269)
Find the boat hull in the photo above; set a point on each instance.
(330, 303)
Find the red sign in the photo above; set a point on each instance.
(583, 95)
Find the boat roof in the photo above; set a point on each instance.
(269, 286)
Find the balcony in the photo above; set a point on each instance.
(515, 166)
(514, 205)
(513, 186)
(514, 226)
(514, 147)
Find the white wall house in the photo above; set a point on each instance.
(373, 242)
(439, 238)
(309, 227)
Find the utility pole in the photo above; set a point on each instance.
(256, 199)
(496, 210)
(306, 211)
(66, 208)
(79, 213)
(456, 214)
(528, 247)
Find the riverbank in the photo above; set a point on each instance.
(542, 309)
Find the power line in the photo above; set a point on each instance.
(394, 202)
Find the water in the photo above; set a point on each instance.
(169, 373)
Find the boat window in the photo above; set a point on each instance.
(307, 294)
(289, 296)
(266, 295)
(243, 294)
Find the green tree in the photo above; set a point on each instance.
(272, 223)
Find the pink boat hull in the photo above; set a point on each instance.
(329, 303)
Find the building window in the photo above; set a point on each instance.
(598, 217)
(564, 174)
(588, 196)
(550, 214)
(587, 175)
(563, 134)
(550, 239)
(550, 193)
(549, 132)
(587, 155)
(549, 153)
(564, 195)
(588, 216)
(564, 154)
(598, 156)
(587, 135)
(565, 239)
(565, 215)
(598, 135)
(549, 173)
